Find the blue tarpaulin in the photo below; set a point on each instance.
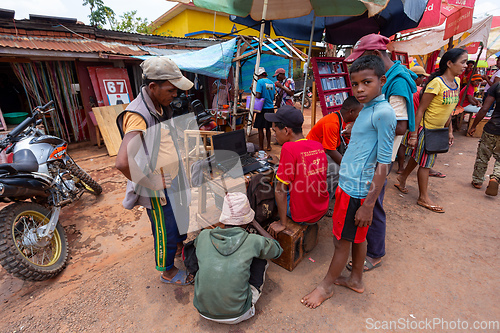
(214, 61)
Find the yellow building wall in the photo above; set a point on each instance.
(192, 21)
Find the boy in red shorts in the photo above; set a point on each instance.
(363, 171)
(300, 192)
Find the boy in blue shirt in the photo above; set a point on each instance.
(265, 89)
(363, 171)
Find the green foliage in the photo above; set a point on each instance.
(128, 22)
(99, 13)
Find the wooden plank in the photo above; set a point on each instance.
(106, 119)
(2, 122)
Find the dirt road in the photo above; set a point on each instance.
(438, 267)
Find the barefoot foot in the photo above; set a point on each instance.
(348, 283)
(316, 297)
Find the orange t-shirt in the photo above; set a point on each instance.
(326, 131)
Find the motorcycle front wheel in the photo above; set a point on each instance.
(22, 254)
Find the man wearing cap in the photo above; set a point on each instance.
(285, 88)
(398, 90)
(470, 103)
(301, 192)
(265, 89)
(149, 158)
(232, 264)
(466, 75)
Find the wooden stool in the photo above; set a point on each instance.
(296, 240)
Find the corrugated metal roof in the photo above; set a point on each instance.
(69, 45)
(162, 52)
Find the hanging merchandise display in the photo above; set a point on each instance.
(52, 80)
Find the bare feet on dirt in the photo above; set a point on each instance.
(316, 297)
(347, 282)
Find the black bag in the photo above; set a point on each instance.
(436, 141)
(343, 146)
(260, 193)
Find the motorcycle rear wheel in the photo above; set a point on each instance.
(90, 185)
(307, 101)
(22, 260)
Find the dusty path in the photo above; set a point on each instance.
(441, 266)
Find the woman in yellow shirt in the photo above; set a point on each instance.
(441, 95)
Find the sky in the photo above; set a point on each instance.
(150, 9)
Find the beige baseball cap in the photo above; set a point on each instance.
(163, 68)
(419, 70)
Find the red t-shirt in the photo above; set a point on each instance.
(303, 168)
(416, 99)
(326, 131)
(470, 91)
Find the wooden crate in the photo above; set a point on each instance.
(479, 128)
(294, 240)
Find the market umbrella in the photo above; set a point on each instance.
(457, 16)
(262, 10)
(346, 29)
(396, 16)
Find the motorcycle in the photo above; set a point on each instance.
(297, 97)
(42, 179)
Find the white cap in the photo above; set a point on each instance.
(260, 71)
(236, 210)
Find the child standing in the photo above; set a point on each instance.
(363, 171)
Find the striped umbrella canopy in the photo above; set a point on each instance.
(283, 9)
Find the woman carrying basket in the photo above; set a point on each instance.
(441, 95)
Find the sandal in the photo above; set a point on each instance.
(368, 266)
(476, 185)
(401, 189)
(492, 188)
(432, 208)
(437, 174)
(179, 279)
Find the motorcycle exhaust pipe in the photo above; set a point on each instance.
(10, 191)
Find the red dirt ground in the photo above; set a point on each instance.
(437, 267)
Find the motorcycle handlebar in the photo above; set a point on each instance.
(28, 121)
(46, 106)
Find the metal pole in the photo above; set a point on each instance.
(257, 61)
(306, 69)
(236, 84)
(470, 75)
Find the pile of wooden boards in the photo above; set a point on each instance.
(106, 123)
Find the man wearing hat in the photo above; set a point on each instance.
(398, 90)
(301, 192)
(232, 264)
(285, 88)
(265, 89)
(149, 158)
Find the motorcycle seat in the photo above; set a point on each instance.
(7, 168)
(23, 161)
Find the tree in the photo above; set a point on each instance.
(99, 13)
(128, 22)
